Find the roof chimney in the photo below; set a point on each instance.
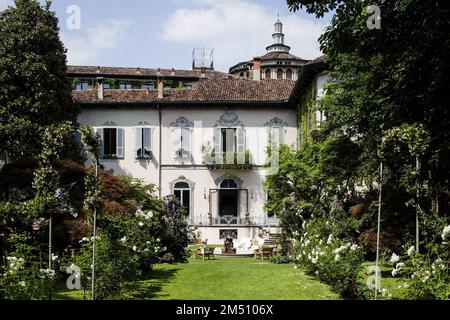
(160, 88)
(257, 69)
(203, 73)
(100, 88)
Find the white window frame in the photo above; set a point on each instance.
(120, 142)
(127, 85)
(147, 85)
(140, 143)
(191, 192)
(81, 84)
(180, 144)
(282, 134)
(239, 147)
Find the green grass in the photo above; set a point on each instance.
(225, 279)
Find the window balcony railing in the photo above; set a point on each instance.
(229, 160)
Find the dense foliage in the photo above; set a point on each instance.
(34, 89)
(327, 250)
(386, 103)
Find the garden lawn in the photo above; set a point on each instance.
(226, 279)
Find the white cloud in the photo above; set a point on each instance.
(238, 30)
(86, 46)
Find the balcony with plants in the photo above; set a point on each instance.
(226, 160)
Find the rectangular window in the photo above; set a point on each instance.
(143, 143)
(106, 86)
(181, 140)
(277, 134)
(186, 199)
(112, 142)
(81, 86)
(229, 140)
(150, 86)
(229, 143)
(125, 86)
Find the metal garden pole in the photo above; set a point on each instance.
(377, 266)
(94, 238)
(417, 202)
(50, 248)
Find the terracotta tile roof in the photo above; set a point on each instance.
(141, 72)
(208, 91)
(322, 58)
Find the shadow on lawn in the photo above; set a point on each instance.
(150, 285)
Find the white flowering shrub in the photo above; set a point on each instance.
(335, 261)
(25, 276)
(125, 249)
(429, 274)
(446, 233)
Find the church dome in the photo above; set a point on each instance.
(277, 63)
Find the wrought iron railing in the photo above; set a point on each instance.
(233, 221)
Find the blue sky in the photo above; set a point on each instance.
(163, 33)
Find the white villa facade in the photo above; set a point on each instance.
(200, 135)
(219, 201)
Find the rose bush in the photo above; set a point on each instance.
(331, 257)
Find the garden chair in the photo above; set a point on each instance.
(264, 252)
(205, 253)
(208, 253)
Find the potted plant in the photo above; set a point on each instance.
(196, 235)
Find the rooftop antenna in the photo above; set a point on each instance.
(203, 58)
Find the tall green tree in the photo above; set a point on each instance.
(387, 78)
(34, 89)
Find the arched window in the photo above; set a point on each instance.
(280, 74)
(182, 190)
(228, 184)
(289, 74)
(268, 74)
(241, 74)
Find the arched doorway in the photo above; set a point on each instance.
(267, 74)
(228, 204)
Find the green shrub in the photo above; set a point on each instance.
(126, 247)
(429, 274)
(26, 277)
(282, 259)
(335, 261)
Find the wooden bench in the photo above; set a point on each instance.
(264, 252)
(207, 252)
